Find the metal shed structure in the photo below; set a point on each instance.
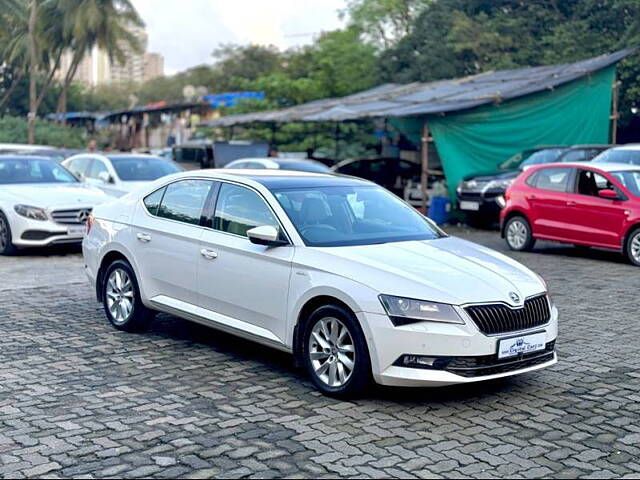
(479, 121)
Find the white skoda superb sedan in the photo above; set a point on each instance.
(352, 281)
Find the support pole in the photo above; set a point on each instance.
(337, 140)
(614, 112)
(424, 178)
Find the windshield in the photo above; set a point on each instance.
(305, 167)
(548, 155)
(631, 157)
(29, 170)
(630, 179)
(341, 216)
(142, 169)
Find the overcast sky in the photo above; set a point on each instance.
(187, 31)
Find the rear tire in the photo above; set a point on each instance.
(6, 244)
(633, 247)
(517, 233)
(121, 298)
(335, 353)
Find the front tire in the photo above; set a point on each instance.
(121, 298)
(517, 234)
(6, 244)
(335, 352)
(633, 247)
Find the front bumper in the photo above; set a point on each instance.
(468, 355)
(488, 203)
(42, 233)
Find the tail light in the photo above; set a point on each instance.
(89, 223)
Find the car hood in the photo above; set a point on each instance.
(495, 176)
(54, 195)
(448, 270)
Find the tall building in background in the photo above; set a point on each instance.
(153, 66)
(96, 68)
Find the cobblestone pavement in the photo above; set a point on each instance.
(79, 399)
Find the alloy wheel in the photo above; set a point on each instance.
(635, 247)
(517, 234)
(332, 352)
(120, 296)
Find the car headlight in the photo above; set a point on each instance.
(403, 311)
(33, 213)
(501, 184)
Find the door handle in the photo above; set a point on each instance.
(143, 237)
(208, 254)
(571, 203)
(531, 197)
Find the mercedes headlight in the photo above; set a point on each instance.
(32, 213)
(403, 311)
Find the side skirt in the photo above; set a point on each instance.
(219, 322)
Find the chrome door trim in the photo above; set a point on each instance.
(218, 321)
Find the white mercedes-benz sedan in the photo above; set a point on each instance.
(351, 280)
(41, 203)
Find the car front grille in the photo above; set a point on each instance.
(499, 318)
(76, 216)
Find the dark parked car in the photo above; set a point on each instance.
(481, 196)
(208, 154)
(391, 173)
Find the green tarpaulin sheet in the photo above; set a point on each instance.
(478, 140)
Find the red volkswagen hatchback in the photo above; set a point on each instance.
(585, 204)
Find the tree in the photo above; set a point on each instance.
(33, 70)
(384, 22)
(107, 24)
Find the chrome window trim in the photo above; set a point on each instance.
(220, 181)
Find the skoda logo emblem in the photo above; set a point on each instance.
(515, 298)
(83, 215)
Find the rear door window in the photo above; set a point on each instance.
(183, 201)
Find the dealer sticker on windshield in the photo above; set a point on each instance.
(510, 347)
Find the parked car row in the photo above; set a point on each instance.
(480, 196)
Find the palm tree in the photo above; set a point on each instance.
(14, 59)
(106, 24)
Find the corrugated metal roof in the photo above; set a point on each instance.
(443, 96)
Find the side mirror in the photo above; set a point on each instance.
(609, 194)
(265, 235)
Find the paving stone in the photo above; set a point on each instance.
(80, 399)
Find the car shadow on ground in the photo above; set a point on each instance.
(282, 364)
(590, 253)
(51, 251)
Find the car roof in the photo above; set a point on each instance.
(592, 145)
(276, 160)
(603, 166)
(31, 157)
(280, 179)
(631, 146)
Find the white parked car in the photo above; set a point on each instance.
(336, 270)
(41, 204)
(119, 173)
(624, 154)
(274, 163)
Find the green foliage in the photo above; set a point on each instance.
(14, 130)
(452, 38)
